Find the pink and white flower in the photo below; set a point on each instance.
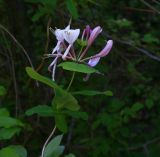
(64, 48)
(104, 52)
(70, 35)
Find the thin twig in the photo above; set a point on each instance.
(150, 6)
(144, 51)
(13, 74)
(18, 43)
(139, 9)
(45, 144)
(157, 2)
(141, 146)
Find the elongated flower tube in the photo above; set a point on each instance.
(86, 32)
(95, 59)
(95, 32)
(70, 36)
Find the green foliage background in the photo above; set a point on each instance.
(126, 124)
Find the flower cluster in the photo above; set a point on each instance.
(65, 49)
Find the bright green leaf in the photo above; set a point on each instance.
(108, 93)
(82, 42)
(72, 66)
(33, 74)
(8, 152)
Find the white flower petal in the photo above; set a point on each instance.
(67, 28)
(59, 34)
(71, 35)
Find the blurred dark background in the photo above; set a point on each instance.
(126, 124)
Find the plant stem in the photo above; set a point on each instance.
(80, 52)
(71, 81)
(45, 144)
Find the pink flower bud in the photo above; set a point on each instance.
(106, 49)
(96, 31)
(95, 59)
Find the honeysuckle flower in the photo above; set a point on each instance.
(59, 33)
(59, 36)
(70, 36)
(95, 59)
(95, 32)
(65, 40)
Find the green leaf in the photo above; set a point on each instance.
(39, 13)
(56, 152)
(4, 112)
(61, 123)
(7, 133)
(149, 38)
(136, 107)
(92, 93)
(33, 74)
(82, 42)
(108, 93)
(8, 152)
(53, 149)
(7, 122)
(72, 66)
(65, 100)
(62, 99)
(41, 110)
(149, 103)
(72, 8)
(77, 114)
(2, 91)
(21, 151)
(70, 155)
(13, 151)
